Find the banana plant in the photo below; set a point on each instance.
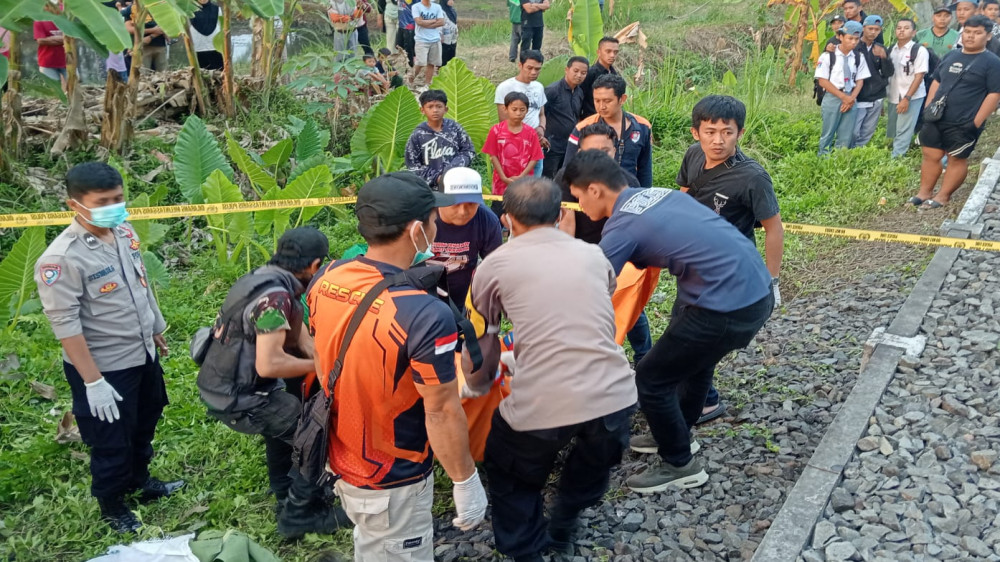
(586, 27)
(470, 100)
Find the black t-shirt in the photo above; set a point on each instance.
(743, 194)
(459, 249)
(595, 72)
(966, 95)
(586, 229)
(562, 113)
(159, 40)
(534, 19)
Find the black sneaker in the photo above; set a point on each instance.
(118, 516)
(298, 518)
(154, 489)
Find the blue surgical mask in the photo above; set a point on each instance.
(108, 216)
(426, 254)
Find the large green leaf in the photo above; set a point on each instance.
(13, 13)
(553, 70)
(218, 189)
(79, 31)
(278, 155)
(17, 271)
(316, 182)
(150, 232)
(470, 100)
(260, 180)
(361, 158)
(272, 219)
(196, 155)
(311, 140)
(103, 23)
(156, 272)
(390, 125)
(172, 15)
(265, 8)
(586, 28)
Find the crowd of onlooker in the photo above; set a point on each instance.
(941, 82)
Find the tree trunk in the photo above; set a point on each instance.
(113, 134)
(74, 130)
(258, 51)
(797, 45)
(278, 48)
(11, 127)
(196, 78)
(228, 104)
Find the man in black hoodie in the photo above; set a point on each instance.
(873, 89)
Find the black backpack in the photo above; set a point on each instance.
(819, 91)
(932, 63)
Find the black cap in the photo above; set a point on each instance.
(397, 198)
(942, 8)
(303, 242)
(837, 17)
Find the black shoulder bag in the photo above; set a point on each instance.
(935, 111)
(310, 453)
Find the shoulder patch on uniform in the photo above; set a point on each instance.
(636, 135)
(50, 273)
(108, 287)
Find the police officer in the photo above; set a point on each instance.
(258, 342)
(93, 288)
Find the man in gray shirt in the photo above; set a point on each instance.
(93, 287)
(571, 379)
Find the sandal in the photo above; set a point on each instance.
(718, 411)
(931, 204)
(915, 201)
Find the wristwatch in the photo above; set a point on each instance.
(908, 98)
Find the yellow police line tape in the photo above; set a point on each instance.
(22, 220)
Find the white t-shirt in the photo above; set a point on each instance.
(536, 97)
(901, 80)
(432, 12)
(842, 80)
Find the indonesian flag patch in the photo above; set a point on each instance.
(445, 344)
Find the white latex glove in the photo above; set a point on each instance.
(102, 397)
(470, 502)
(467, 391)
(777, 293)
(507, 363)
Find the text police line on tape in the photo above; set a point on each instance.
(22, 220)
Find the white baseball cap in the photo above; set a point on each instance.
(464, 185)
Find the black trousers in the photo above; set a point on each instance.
(210, 60)
(276, 422)
(531, 38)
(674, 377)
(448, 52)
(364, 41)
(552, 163)
(518, 464)
(120, 452)
(405, 39)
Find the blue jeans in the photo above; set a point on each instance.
(836, 125)
(865, 123)
(639, 338)
(900, 126)
(539, 167)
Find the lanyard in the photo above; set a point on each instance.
(620, 143)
